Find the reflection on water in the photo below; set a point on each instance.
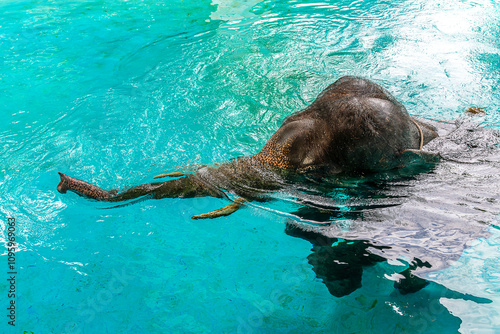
(120, 91)
(422, 215)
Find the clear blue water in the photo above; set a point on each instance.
(115, 92)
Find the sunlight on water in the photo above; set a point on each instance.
(116, 92)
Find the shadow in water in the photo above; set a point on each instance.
(423, 215)
(338, 263)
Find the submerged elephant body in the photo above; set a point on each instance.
(353, 126)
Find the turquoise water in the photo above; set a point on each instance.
(115, 92)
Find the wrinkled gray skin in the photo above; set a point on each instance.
(354, 126)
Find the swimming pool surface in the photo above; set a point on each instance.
(116, 92)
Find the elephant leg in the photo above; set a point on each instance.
(225, 211)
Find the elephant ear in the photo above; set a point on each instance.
(421, 156)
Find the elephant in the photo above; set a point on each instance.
(355, 129)
(353, 126)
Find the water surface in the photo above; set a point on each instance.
(116, 92)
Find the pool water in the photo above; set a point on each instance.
(116, 92)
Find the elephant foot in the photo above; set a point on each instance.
(225, 211)
(178, 174)
(475, 111)
(173, 174)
